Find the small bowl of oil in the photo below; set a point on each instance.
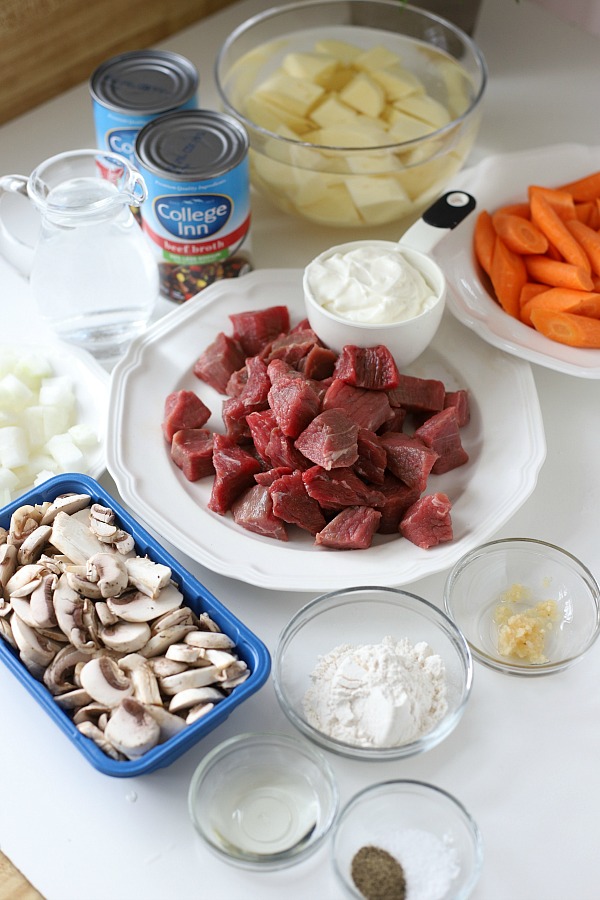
(263, 801)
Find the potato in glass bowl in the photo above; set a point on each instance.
(358, 112)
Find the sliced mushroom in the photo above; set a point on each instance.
(33, 545)
(209, 640)
(69, 609)
(159, 643)
(192, 696)
(192, 678)
(139, 607)
(125, 637)
(66, 503)
(89, 730)
(31, 644)
(187, 654)
(161, 666)
(23, 521)
(73, 699)
(104, 531)
(181, 616)
(82, 585)
(220, 658)
(72, 537)
(8, 563)
(109, 572)
(145, 686)
(169, 724)
(41, 602)
(22, 608)
(24, 580)
(148, 576)
(6, 633)
(205, 623)
(132, 729)
(105, 615)
(92, 712)
(197, 712)
(58, 676)
(101, 513)
(104, 681)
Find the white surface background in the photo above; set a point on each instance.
(524, 759)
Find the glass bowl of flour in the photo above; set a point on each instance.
(373, 673)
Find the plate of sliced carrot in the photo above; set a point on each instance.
(523, 269)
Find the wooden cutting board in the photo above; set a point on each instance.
(14, 885)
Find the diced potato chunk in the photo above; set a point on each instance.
(397, 82)
(378, 199)
(294, 94)
(425, 108)
(332, 111)
(340, 50)
(376, 58)
(270, 116)
(317, 67)
(407, 128)
(364, 95)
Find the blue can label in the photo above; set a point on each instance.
(197, 222)
(116, 131)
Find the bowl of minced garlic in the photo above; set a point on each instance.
(524, 606)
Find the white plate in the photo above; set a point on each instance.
(505, 440)
(496, 181)
(90, 385)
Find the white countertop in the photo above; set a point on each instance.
(525, 758)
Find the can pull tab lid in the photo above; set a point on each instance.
(445, 214)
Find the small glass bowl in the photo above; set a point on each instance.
(406, 339)
(366, 615)
(516, 574)
(263, 801)
(425, 828)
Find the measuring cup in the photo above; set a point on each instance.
(92, 273)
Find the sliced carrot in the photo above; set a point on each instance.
(484, 238)
(567, 328)
(589, 240)
(558, 274)
(508, 275)
(587, 188)
(588, 213)
(550, 223)
(561, 201)
(519, 234)
(596, 282)
(516, 209)
(529, 291)
(589, 305)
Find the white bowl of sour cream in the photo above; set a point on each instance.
(375, 292)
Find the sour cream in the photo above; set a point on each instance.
(368, 284)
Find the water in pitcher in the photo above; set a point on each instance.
(94, 277)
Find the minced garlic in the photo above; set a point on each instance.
(522, 633)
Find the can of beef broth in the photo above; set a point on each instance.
(197, 213)
(133, 88)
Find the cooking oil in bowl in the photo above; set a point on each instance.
(263, 801)
(265, 814)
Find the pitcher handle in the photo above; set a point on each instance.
(16, 251)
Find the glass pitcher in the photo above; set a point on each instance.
(92, 273)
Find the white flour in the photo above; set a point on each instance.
(377, 695)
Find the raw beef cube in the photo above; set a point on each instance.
(254, 329)
(291, 347)
(253, 398)
(418, 393)
(253, 510)
(339, 488)
(330, 440)
(396, 423)
(369, 409)
(372, 458)
(301, 326)
(292, 503)
(441, 433)
(408, 458)
(398, 497)
(367, 367)
(261, 424)
(460, 400)
(318, 363)
(352, 529)
(279, 369)
(280, 451)
(294, 403)
(234, 415)
(267, 478)
(192, 451)
(234, 472)
(219, 361)
(428, 522)
(237, 382)
(183, 409)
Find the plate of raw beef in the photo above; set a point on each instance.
(491, 471)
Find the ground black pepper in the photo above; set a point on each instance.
(378, 875)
